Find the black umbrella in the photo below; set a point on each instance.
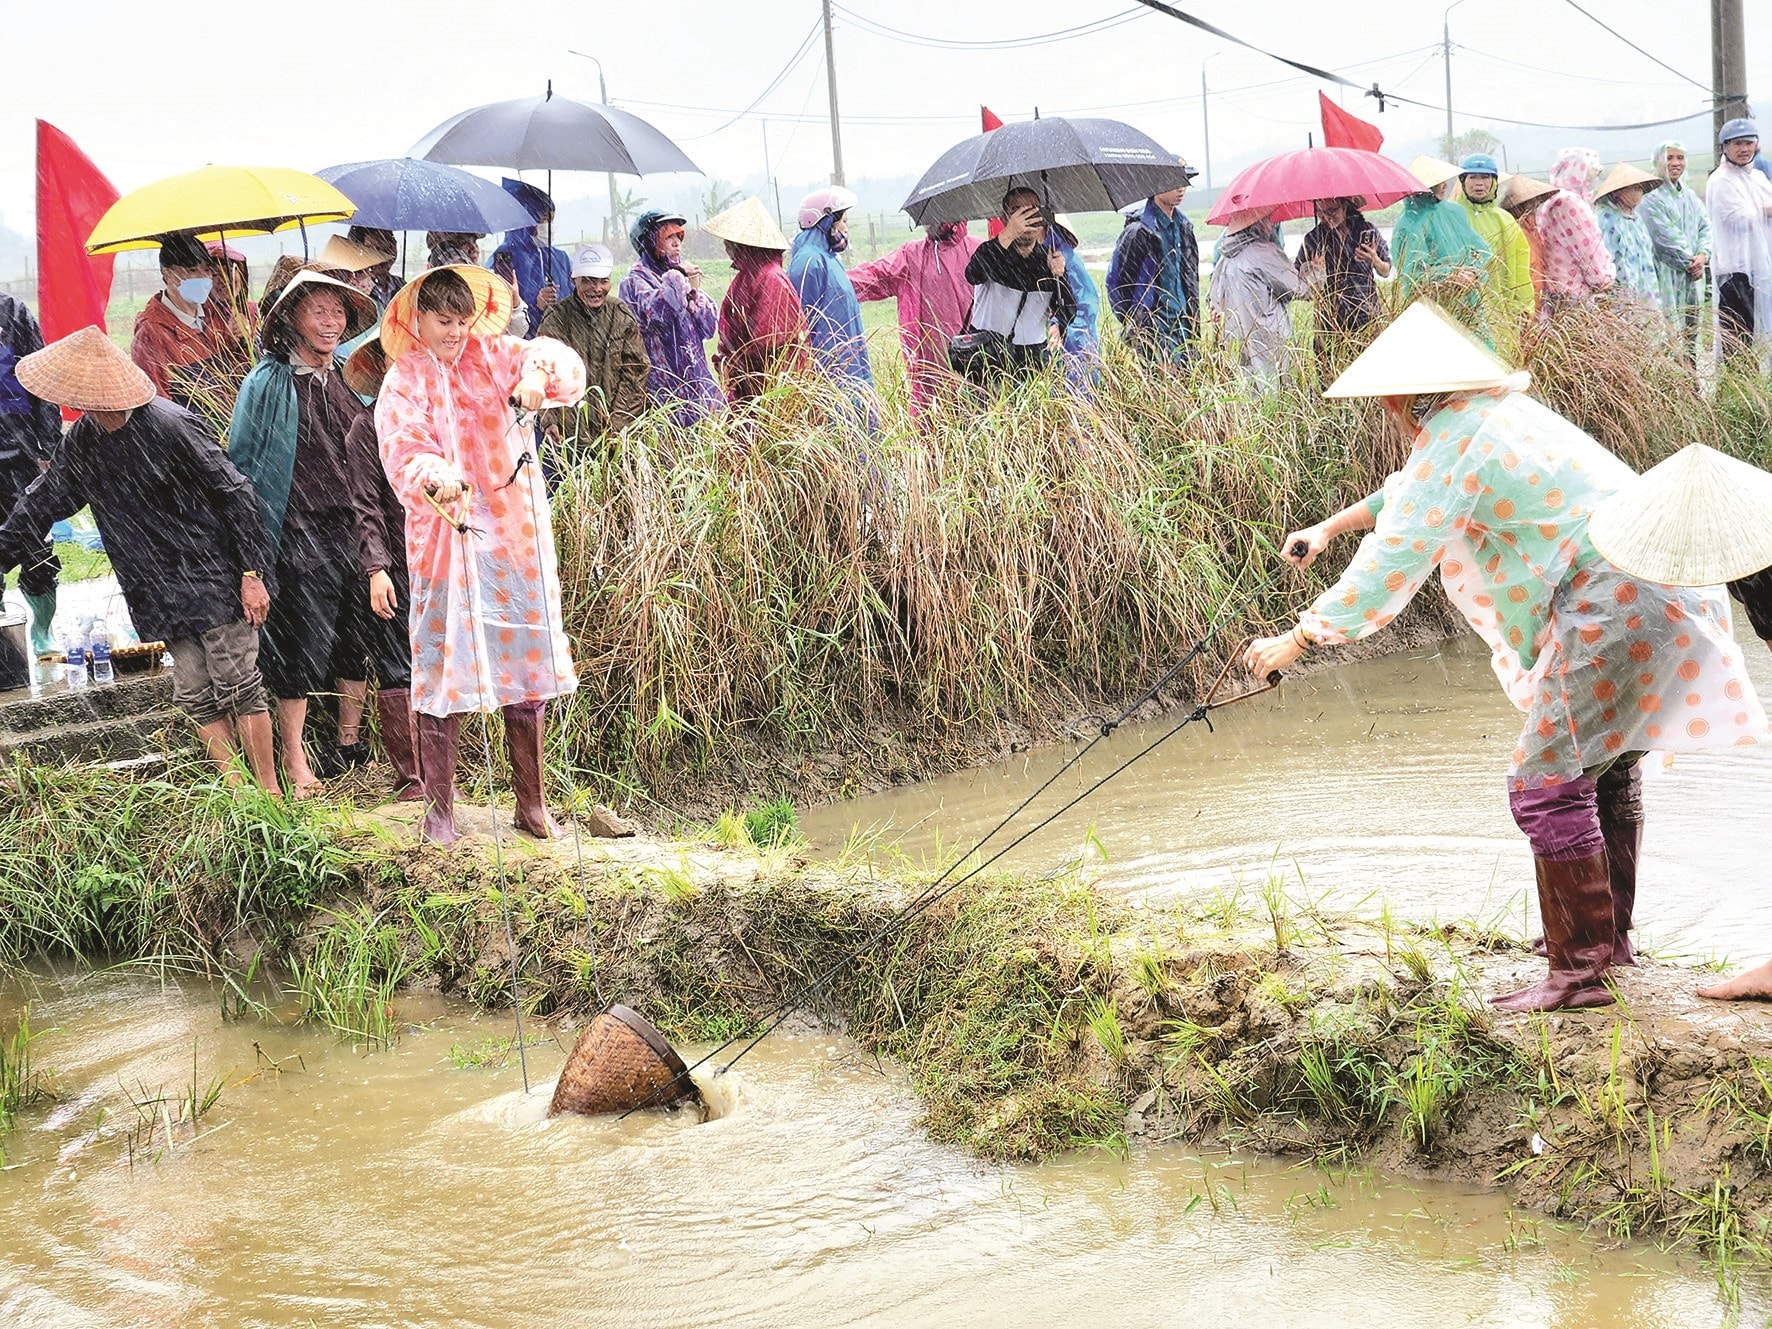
(1076, 165)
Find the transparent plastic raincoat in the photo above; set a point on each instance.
(1496, 496)
(485, 618)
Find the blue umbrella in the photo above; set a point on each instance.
(410, 194)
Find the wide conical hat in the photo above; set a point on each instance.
(360, 310)
(87, 371)
(340, 252)
(365, 368)
(1431, 171)
(493, 303)
(1700, 518)
(1523, 189)
(747, 222)
(1624, 175)
(1423, 350)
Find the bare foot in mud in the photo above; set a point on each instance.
(1755, 984)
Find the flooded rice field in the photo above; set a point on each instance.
(399, 1188)
(420, 1185)
(1377, 782)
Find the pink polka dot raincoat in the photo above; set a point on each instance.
(1496, 496)
(485, 619)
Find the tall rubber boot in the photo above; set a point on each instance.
(42, 619)
(523, 740)
(436, 764)
(1621, 822)
(1575, 899)
(393, 708)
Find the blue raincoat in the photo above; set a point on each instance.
(524, 261)
(833, 314)
(1082, 335)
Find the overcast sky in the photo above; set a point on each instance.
(147, 93)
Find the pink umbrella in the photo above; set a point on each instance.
(1291, 182)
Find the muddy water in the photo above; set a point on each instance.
(391, 1189)
(1372, 782)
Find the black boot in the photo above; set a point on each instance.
(1621, 822)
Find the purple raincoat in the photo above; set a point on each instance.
(676, 321)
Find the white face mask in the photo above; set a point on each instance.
(196, 289)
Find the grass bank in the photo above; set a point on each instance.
(771, 602)
(1032, 1016)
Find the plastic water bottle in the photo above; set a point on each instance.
(75, 645)
(100, 643)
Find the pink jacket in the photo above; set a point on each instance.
(929, 282)
(1572, 251)
(485, 617)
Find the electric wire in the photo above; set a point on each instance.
(992, 44)
(943, 884)
(774, 83)
(1383, 97)
(1704, 87)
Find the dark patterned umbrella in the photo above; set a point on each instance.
(1075, 165)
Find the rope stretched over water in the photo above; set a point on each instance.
(466, 532)
(943, 885)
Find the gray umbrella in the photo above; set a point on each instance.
(1076, 166)
(550, 133)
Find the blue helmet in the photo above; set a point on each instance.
(1737, 129)
(1479, 163)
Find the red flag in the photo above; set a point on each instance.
(73, 287)
(1341, 130)
(990, 121)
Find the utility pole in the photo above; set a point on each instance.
(1446, 51)
(1205, 127)
(1728, 63)
(603, 96)
(830, 69)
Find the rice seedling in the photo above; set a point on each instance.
(347, 980)
(1104, 1021)
(21, 1083)
(773, 824)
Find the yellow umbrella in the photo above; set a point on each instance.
(216, 199)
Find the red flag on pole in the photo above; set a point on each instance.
(73, 287)
(1341, 130)
(989, 119)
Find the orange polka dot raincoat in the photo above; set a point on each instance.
(1496, 495)
(485, 619)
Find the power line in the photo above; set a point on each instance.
(1558, 73)
(774, 83)
(880, 29)
(1638, 49)
(1331, 76)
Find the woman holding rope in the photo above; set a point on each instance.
(1496, 495)
(485, 619)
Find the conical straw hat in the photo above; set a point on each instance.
(1422, 350)
(1523, 189)
(87, 371)
(747, 222)
(1432, 172)
(339, 252)
(365, 368)
(360, 311)
(493, 302)
(1700, 518)
(1624, 175)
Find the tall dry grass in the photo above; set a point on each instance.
(772, 593)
